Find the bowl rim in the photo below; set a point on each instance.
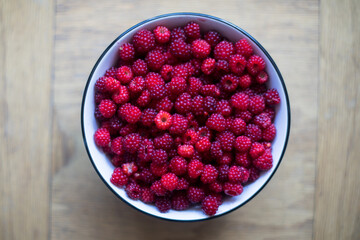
(216, 19)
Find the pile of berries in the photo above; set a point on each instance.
(185, 117)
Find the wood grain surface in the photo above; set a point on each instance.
(48, 187)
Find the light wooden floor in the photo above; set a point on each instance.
(48, 188)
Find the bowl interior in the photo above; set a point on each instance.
(108, 59)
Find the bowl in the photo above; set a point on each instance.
(108, 58)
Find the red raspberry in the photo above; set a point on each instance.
(186, 151)
(223, 173)
(244, 115)
(216, 150)
(255, 64)
(177, 85)
(256, 150)
(238, 126)
(163, 204)
(195, 194)
(159, 157)
(162, 34)
(100, 96)
(111, 72)
(208, 66)
(131, 113)
(100, 85)
(194, 86)
(132, 142)
(233, 189)
(197, 105)
(157, 91)
(124, 74)
(203, 145)
(269, 133)
(261, 77)
(144, 99)
(192, 30)
(216, 122)
(148, 116)
(179, 124)
(117, 160)
(264, 162)
(229, 82)
(237, 63)
(178, 165)
(118, 178)
(210, 205)
(166, 72)
(111, 84)
(143, 41)
(242, 143)
(117, 146)
(121, 96)
(107, 108)
(262, 120)
(158, 188)
(164, 142)
(243, 47)
(240, 101)
(226, 158)
(245, 81)
(127, 52)
(213, 38)
(238, 174)
(163, 120)
(191, 137)
(200, 48)
(127, 129)
(181, 71)
(253, 132)
(164, 104)
(139, 68)
(272, 97)
(180, 49)
(243, 159)
(179, 201)
(155, 60)
(221, 68)
(209, 174)
(195, 168)
(223, 50)
(227, 140)
(129, 168)
(146, 150)
(215, 187)
(210, 90)
(254, 174)
(133, 191)
(196, 64)
(256, 104)
(169, 181)
(115, 124)
(158, 170)
(209, 104)
(147, 196)
(177, 33)
(183, 103)
(137, 85)
(183, 184)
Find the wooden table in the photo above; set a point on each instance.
(48, 188)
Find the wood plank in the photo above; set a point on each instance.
(337, 193)
(283, 210)
(26, 41)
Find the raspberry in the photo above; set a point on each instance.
(169, 181)
(139, 68)
(137, 85)
(256, 104)
(242, 143)
(245, 81)
(179, 124)
(209, 174)
(118, 178)
(111, 84)
(237, 63)
(107, 108)
(117, 146)
(208, 66)
(272, 97)
(240, 101)
(163, 204)
(117, 160)
(216, 150)
(209, 104)
(161, 34)
(177, 85)
(183, 184)
(229, 82)
(133, 190)
(129, 168)
(192, 30)
(144, 99)
(158, 188)
(111, 72)
(157, 91)
(197, 105)
(166, 72)
(100, 85)
(245, 115)
(227, 140)
(143, 41)
(269, 133)
(213, 38)
(178, 165)
(181, 71)
(159, 157)
(256, 150)
(127, 129)
(180, 49)
(262, 120)
(177, 33)
(164, 104)
(127, 52)
(194, 86)
(158, 170)
(195, 168)
(131, 113)
(253, 132)
(191, 137)
(233, 189)
(238, 174)
(196, 63)
(243, 47)
(216, 122)
(203, 145)
(238, 126)
(210, 205)
(163, 120)
(254, 174)
(223, 50)
(223, 172)
(147, 196)
(179, 201)
(146, 150)
(164, 142)
(186, 151)
(255, 64)
(261, 77)
(124, 74)
(183, 103)
(155, 60)
(100, 96)
(200, 48)
(195, 194)
(264, 162)
(115, 124)
(121, 96)
(210, 90)
(132, 142)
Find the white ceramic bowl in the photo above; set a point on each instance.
(103, 165)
